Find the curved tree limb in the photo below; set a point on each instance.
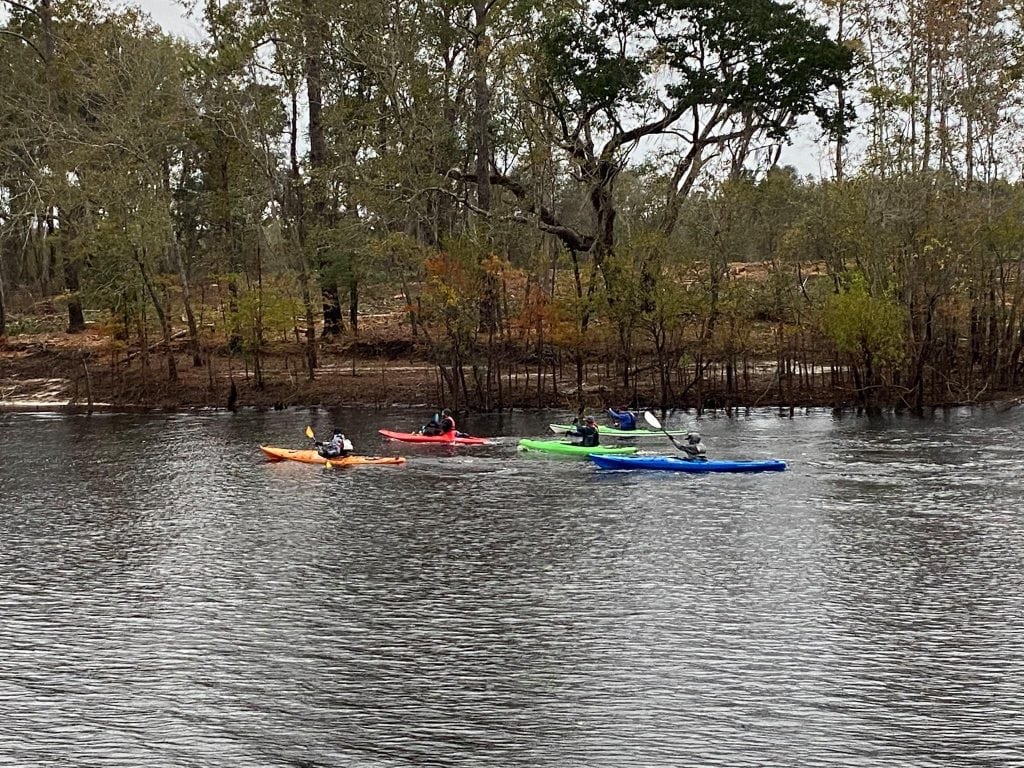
(29, 43)
(545, 219)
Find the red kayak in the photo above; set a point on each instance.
(449, 439)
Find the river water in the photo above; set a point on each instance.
(168, 598)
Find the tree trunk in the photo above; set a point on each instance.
(307, 306)
(603, 203)
(840, 97)
(3, 301)
(331, 306)
(72, 282)
(257, 347)
(141, 322)
(297, 204)
(482, 105)
(76, 316)
(929, 103)
(353, 306)
(165, 325)
(186, 298)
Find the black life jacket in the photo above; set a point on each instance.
(589, 434)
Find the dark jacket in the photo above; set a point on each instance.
(693, 451)
(588, 433)
(439, 426)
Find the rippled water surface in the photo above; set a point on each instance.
(168, 598)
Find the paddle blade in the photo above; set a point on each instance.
(651, 419)
(309, 432)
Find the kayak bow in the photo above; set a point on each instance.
(564, 448)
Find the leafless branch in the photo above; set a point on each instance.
(27, 42)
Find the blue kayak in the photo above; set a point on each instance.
(672, 464)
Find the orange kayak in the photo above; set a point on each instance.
(312, 457)
(357, 461)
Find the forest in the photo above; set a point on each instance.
(532, 202)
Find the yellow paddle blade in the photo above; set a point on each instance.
(309, 432)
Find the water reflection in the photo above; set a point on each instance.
(167, 598)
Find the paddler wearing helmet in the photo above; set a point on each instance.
(587, 431)
(693, 449)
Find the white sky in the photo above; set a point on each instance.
(171, 16)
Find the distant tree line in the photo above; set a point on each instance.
(537, 178)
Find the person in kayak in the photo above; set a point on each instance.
(624, 418)
(336, 447)
(448, 423)
(587, 431)
(693, 449)
(432, 427)
(440, 425)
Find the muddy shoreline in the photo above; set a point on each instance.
(86, 373)
(47, 379)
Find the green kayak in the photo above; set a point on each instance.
(571, 449)
(613, 432)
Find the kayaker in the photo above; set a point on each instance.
(338, 445)
(693, 449)
(587, 431)
(440, 425)
(447, 422)
(624, 418)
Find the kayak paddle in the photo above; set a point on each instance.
(309, 434)
(651, 419)
(435, 420)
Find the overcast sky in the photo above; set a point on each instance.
(171, 16)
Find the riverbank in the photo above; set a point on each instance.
(88, 371)
(44, 371)
(92, 371)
